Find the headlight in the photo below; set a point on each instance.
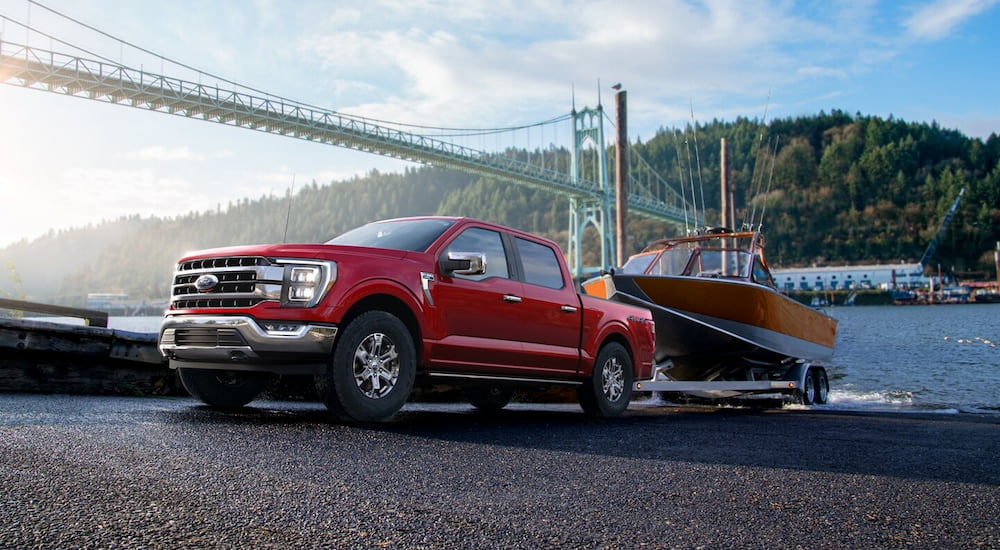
(305, 283)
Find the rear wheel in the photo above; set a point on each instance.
(809, 387)
(221, 388)
(488, 398)
(609, 389)
(372, 371)
(822, 387)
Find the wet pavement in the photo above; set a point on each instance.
(119, 472)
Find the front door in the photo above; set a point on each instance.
(480, 314)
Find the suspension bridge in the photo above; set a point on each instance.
(586, 184)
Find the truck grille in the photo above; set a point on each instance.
(239, 282)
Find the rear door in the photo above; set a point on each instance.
(550, 310)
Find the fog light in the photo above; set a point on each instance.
(281, 329)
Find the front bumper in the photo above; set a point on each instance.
(240, 342)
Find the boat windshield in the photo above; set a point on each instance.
(719, 263)
(637, 265)
(701, 262)
(411, 235)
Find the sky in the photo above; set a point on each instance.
(67, 162)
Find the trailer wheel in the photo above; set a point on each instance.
(822, 386)
(488, 398)
(372, 371)
(221, 388)
(609, 389)
(809, 388)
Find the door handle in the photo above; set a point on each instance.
(511, 299)
(568, 309)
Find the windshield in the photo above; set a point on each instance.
(638, 264)
(701, 262)
(722, 262)
(410, 235)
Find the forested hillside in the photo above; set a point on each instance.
(833, 189)
(852, 189)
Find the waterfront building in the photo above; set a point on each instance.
(852, 277)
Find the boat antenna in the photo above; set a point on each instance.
(756, 177)
(697, 156)
(694, 201)
(680, 175)
(760, 164)
(770, 179)
(288, 214)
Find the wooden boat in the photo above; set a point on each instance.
(717, 311)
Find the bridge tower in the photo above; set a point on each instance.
(589, 162)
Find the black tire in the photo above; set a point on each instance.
(221, 388)
(822, 387)
(809, 387)
(488, 398)
(609, 389)
(372, 371)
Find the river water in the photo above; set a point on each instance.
(928, 358)
(943, 358)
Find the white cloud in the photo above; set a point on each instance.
(822, 72)
(121, 192)
(940, 18)
(79, 197)
(161, 153)
(443, 70)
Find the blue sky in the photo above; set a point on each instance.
(67, 162)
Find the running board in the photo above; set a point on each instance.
(508, 379)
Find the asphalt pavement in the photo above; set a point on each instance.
(120, 472)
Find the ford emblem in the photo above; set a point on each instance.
(206, 283)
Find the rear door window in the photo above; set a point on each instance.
(540, 264)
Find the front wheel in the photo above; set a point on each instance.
(222, 388)
(372, 371)
(609, 389)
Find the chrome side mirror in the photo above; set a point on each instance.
(464, 263)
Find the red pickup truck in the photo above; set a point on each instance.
(393, 303)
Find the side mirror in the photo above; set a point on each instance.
(464, 263)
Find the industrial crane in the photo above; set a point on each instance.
(945, 222)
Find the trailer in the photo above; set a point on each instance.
(802, 382)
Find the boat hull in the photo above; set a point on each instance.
(701, 321)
